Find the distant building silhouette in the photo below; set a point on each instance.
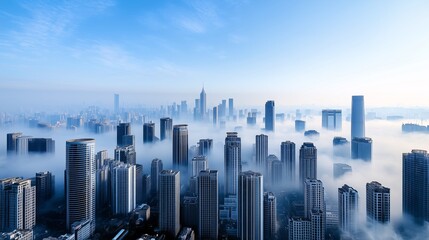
(299, 125)
(270, 116)
(205, 146)
(340, 169)
(332, 119)
(11, 142)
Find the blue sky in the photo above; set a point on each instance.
(295, 52)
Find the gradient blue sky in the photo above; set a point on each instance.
(311, 52)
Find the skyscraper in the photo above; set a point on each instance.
(22, 145)
(250, 206)
(122, 129)
(180, 147)
(332, 119)
(348, 209)
(45, 188)
(123, 188)
(11, 142)
(231, 107)
(261, 151)
(126, 154)
(199, 163)
(270, 216)
(232, 161)
(205, 146)
(299, 125)
(340, 169)
(208, 201)
(362, 148)
(17, 204)
(270, 116)
(299, 228)
(149, 132)
(377, 203)
(166, 128)
(358, 117)
(314, 207)
(155, 168)
(415, 185)
(215, 115)
(169, 202)
(287, 156)
(307, 162)
(80, 181)
(116, 103)
(203, 104)
(341, 147)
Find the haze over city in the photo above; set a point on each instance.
(214, 120)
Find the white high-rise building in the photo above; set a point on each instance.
(169, 202)
(250, 206)
(17, 204)
(208, 201)
(80, 181)
(123, 188)
(348, 209)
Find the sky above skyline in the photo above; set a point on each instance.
(157, 52)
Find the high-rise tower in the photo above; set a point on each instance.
(307, 162)
(377, 203)
(166, 128)
(287, 156)
(348, 209)
(169, 202)
(208, 201)
(261, 151)
(180, 147)
(80, 181)
(270, 116)
(232, 161)
(358, 117)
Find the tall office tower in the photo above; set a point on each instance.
(197, 113)
(341, 147)
(358, 117)
(307, 162)
(362, 149)
(116, 103)
(348, 209)
(222, 114)
(250, 206)
(314, 207)
(41, 145)
(166, 128)
(123, 188)
(340, 169)
(299, 229)
(22, 144)
(270, 216)
(231, 107)
(251, 119)
(332, 119)
(17, 204)
(287, 156)
(189, 212)
(155, 168)
(274, 172)
(45, 188)
(139, 184)
(80, 181)
(232, 161)
(126, 154)
(261, 151)
(169, 202)
(183, 109)
(205, 146)
(215, 115)
(149, 132)
(208, 201)
(103, 190)
(199, 163)
(203, 104)
(270, 116)
(377, 203)
(100, 158)
(180, 147)
(121, 130)
(11, 142)
(299, 125)
(415, 185)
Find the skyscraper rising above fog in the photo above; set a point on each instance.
(149, 132)
(155, 168)
(261, 150)
(232, 161)
(208, 201)
(169, 202)
(332, 119)
(166, 128)
(270, 116)
(203, 104)
(362, 148)
(11, 142)
(80, 181)
(231, 107)
(377, 203)
(250, 206)
(415, 185)
(287, 156)
(123, 182)
(123, 129)
(348, 209)
(180, 147)
(307, 162)
(358, 117)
